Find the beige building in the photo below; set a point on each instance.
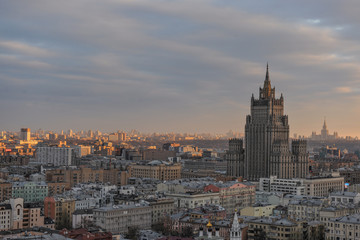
(306, 210)
(258, 210)
(187, 200)
(233, 195)
(119, 218)
(5, 217)
(60, 210)
(323, 186)
(156, 169)
(338, 210)
(271, 228)
(32, 216)
(346, 227)
(160, 208)
(17, 215)
(5, 191)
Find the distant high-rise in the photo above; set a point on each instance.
(324, 134)
(25, 134)
(267, 150)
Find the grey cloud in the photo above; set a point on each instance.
(149, 63)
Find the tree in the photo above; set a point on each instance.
(133, 233)
(187, 231)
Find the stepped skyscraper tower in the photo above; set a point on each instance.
(267, 146)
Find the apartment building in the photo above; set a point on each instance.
(57, 156)
(345, 227)
(233, 194)
(30, 191)
(119, 218)
(156, 169)
(160, 208)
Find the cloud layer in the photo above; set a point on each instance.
(177, 65)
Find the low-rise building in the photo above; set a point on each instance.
(119, 218)
(323, 185)
(337, 210)
(233, 194)
(305, 210)
(345, 227)
(345, 197)
(82, 218)
(5, 219)
(273, 228)
(156, 169)
(312, 186)
(30, 191)
(274, 184)
(160, 208)
(258, 210)
(5, 191)
(193, 200)
(272, 198)
(60, 210)
(32, 216)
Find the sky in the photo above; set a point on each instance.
(177, 65)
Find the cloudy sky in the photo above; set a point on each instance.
(177, 65)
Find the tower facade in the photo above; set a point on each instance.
(267, 150)
(235, 158)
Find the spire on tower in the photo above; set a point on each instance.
(235, 224)
(324, 126)
(267, 83)
(267, 78)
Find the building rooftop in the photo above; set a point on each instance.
(344, 194)
(355, 218)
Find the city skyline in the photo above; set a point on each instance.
(177, 66)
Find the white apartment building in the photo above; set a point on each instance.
(57, 156)
(274, 184)
(314, 186)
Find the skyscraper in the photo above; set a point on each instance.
(267, 150)
(25, 134)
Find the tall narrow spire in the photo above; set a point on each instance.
(324, 126)
(267, 84)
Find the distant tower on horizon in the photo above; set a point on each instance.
(267, 150)
(324, 135)
(25, 134)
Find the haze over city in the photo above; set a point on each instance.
(177, 66)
